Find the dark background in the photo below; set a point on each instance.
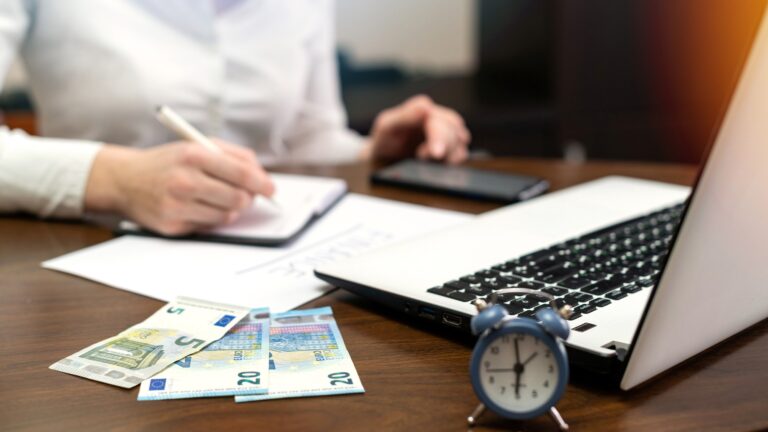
(602, 79)
(596, 79)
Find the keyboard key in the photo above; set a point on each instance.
(629, 289)
(579, 297)
(616, 295)
(441, 290)
(575, 282)
(535, 256)
(513, 309)
(553, 275)
(574, 316)
(504, 298)
(495, 284)
(509, 279)
(458, 285)
(485, 274)
(530, 284)
(503, 267)
(479, 290)
(462, 296)
(646, 282)
(471, 279)
(529, 302)
(525, 271)
(555, 291)
(603, 286)
(600, 302)
(585, 309)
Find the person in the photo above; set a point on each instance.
(260, 75)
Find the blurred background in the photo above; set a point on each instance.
(573, 79)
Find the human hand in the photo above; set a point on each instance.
(176, 188)
(421, 127)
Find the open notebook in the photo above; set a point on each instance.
(300, 198)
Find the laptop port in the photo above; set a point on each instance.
(428, 313)
(452, 320)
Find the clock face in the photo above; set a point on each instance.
(518, 372)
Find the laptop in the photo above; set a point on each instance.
(655, 272)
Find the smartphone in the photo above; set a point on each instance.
(461, 181)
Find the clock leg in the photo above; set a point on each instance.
(557, 418)
(472, 419)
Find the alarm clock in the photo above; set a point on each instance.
(519, 367)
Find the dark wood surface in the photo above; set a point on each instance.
(415, 378)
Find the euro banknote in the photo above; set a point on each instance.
(177, 330)
(237, 364)
(307, 357)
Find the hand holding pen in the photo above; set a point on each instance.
(177, 188)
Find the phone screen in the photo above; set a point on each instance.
(470, 182)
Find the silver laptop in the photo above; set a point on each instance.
(656, 273)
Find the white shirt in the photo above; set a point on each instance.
(259, 73)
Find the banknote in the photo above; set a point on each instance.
(307, 357)
(237, 364)
(177, 330)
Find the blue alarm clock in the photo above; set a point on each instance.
(519, 367)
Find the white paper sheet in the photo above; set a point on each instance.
(277, 277)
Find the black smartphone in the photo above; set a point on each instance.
(461, 181)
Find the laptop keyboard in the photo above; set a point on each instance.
(588, 272)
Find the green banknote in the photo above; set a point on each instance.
(237, 364)
(177, 330)
(307, 357)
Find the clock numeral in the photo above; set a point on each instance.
(503, 389)
(487, 364)
(494, 350)
(551, 369)
(546, 384)
(547, 354)
(535, 394)
(491, 379)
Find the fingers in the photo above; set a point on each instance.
(201, 214)
(178, 217)
(213, 192)
(447, 136)
(234, 167)
(408, 114)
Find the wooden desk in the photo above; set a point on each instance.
(415, 378)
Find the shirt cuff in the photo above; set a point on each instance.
(44, 176)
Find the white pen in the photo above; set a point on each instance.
(176, 123)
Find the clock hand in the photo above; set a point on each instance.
(530, 358)
(518, 369)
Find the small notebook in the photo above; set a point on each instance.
(301, 199)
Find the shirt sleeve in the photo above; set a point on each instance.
(319, 133)
(43, 176)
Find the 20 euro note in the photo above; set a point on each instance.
(237, 364)
(307, 357)
(177, 330)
